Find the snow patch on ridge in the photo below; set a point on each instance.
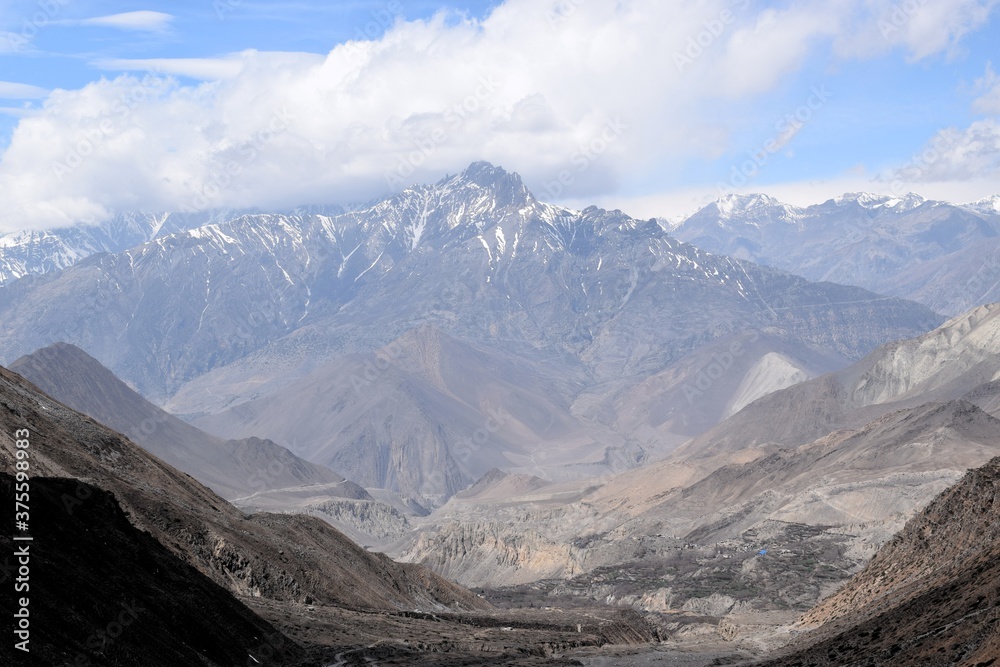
(771, 373)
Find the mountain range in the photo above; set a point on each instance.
(252, 473)
(211, 319)
(143, 564)
(942, 255)
(34, 252)
(750, 429)
(822, 495)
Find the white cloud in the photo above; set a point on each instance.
(922, 28)
(142, 20)
(591, 93)
(989, 90)
(956, 155)
(20, 91)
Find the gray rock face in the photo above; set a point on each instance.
(960, 359)
(36, 252)
(475, 254)
(940, 571)
(424, 416)
(593, 301)
(944, 256)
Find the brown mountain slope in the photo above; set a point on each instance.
(931, 596)
(282, 557)
(231, 468)
(104, 594)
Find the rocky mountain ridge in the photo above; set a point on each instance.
(945, 256)
(232, 315)
(231, 468)
(960, 357)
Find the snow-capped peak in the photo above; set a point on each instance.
(730, 204)
(986, 205)
(751, 210)
(872, 202)
(862, 199)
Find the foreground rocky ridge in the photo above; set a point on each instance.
(133, 526)
(281, 557)
(106, 594)
(929, 596)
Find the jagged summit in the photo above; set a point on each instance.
(870, 201)
(506, 187)
(751, 209)
(939, 254)
(732, 202)
(989, 205)
(485, 174)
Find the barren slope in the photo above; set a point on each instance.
(105, 594)
(280, 557)
(231, 468)
(929, 597)
(945, 364)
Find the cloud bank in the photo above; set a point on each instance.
(577, 96)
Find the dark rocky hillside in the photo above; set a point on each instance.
(282, 557)
(931, 596)
(105, 594)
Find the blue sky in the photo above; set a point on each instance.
(653, 107)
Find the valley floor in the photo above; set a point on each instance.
(594, 636)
